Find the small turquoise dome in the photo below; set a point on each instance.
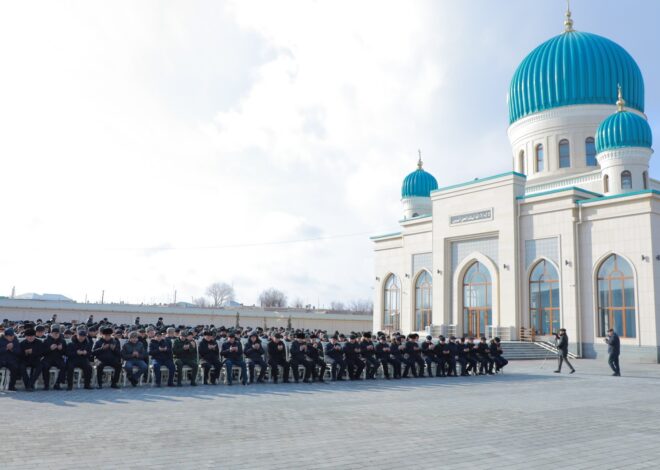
(623, 129)
(419, 183)
(574, 68)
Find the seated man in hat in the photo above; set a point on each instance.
(209, 354)
(10, 354)
(134, 355)
(298, 353)
(428, 354)
(354, 362)
(334, 355)
(483, 356)
(107, 351)
(383, 355)
(315, 356)
(185, 354)
(232, 351)
(254, 353)
(368, 354)
(79, 355)
(498, 360)
(277, 357)
(160, 351)
(54, 353)
(31, 354)
(40, 331)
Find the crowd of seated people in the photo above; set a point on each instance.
(57, 352)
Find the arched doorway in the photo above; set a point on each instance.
(392, 304)
(423, 300)
(616, 297)
(544, 308)
(477, 300)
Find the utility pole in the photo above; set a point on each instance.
(102, 296)
(174, 295)
(13, 292)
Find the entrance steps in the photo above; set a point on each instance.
(521, 350)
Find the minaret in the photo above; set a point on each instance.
(416, 191)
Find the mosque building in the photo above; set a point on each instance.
(570, 238)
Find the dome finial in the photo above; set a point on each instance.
(419, 162)
(568, 22)
(620, 103)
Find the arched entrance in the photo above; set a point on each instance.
(544, 307)
(477, 300)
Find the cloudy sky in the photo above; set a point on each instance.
(160, 145)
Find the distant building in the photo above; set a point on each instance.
(49, 297)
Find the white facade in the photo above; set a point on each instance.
(562, 242)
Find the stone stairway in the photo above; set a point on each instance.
(517, 350)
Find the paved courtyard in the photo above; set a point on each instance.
(526, 419)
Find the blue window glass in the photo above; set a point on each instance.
(564, 154)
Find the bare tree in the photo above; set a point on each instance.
(297, 303)
(201, 302)
(337, 306)
(272, 298)
(361, 306)
(220, 293)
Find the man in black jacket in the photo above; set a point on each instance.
(335, 356)
(369, 356)
(396, 355)
(298, 353)
(428, 354)
(54, 354)
(315, 356)
(160, 352)
(442, 353)
(31, 354)
(209, 354)
(354, 363)
(613, 351)
(10, 354)
(483, 355)
(277, 357)
(498, 359)
(184, 350)
(254, 353)
(232, 351)
(107, 352)
(79, 355)
(562, 350)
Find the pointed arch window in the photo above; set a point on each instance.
(590, 150)
(538, 156)
(626, 180)
(392, 303)
(477, 300)
(544, 307)
(606, 184)
(423, 300)
(564, 154)
(616, 297)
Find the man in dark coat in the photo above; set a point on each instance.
(369, 356)
(54, 354)
(277, 357)
(354, 363)
(10, 353)
(209, 354)
(254, 353)
(232, 351)
(184, 350)
(299, 358)
(562, 350)
(613, 351)
(107, 351)
(31, 354)
(79, 355)
(335, 357)
(160, 352)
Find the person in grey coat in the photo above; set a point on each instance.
(613, 351)
(562, 351)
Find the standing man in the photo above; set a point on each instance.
(613, 350)
(562, 350)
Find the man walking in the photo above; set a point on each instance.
(562, 351)
(613, 350)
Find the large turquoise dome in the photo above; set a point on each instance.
(623, 129)
(419, 183)
(574, 68)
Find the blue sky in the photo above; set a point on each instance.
(154, 146)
